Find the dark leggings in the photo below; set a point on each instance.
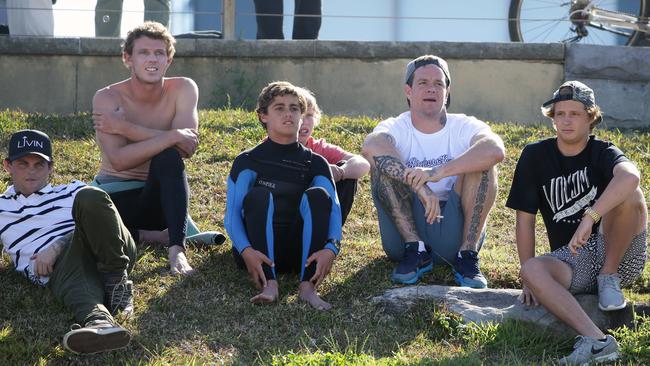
(162, 202)
(288, 246)
(345, 191)
(304, 27)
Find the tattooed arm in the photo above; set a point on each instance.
(387, 178)
(485, 151)
(380, 151)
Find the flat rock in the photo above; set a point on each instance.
(497, 305)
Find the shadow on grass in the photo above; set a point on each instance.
(208, 315)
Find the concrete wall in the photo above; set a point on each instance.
(620, 77)
(494, 81)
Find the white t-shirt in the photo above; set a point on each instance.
(31, 224)
(428, 150)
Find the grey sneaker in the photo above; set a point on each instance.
(118, 294)
(96, 336)
(589, 350)
(610, 296)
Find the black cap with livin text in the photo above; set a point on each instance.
(26, 142)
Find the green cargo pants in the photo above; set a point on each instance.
(100, 244)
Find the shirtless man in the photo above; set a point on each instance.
(145, 126)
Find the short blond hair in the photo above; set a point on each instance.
(310, 100)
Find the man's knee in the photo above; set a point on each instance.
(634, 204)
(89, 197)
(317, 196)
(485, 181)
(532, 269)
(168, 160)
(539, 269)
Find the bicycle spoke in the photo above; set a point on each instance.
(595, 35)
(545, 31)
(549, 21)
(550, 31)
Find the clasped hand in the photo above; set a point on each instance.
(418, 177)
(109, 122)
(44, 261)
(187, 141)
(581, 235)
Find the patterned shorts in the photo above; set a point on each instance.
(587, 264)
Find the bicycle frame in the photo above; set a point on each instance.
(602, 18)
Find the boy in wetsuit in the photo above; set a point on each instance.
(282, 212)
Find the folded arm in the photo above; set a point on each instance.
(355, 166)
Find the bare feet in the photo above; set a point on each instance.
(178, 264)
(154, 237)
(269, 293)
(308, 293)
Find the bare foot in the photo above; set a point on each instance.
(269, 293)
(178, 264)
(308, 293)
(154, 237)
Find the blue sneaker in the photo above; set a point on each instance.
(413, 266)
(466, 270)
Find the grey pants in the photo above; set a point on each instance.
(442, 238)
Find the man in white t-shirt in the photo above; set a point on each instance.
(429, 171)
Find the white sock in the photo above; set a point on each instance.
(421, 247)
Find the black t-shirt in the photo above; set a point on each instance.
(559, 186)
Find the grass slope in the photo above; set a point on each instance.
(206, 318)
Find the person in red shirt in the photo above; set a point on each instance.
(346, 167)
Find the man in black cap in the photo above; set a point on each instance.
(433, 179)
(70, 238)
(595, 216)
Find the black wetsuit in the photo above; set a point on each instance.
(282, 202)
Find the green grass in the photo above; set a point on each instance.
(206, 318)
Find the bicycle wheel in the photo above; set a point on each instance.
(547, 21)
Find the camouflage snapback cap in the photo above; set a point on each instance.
(573, 90)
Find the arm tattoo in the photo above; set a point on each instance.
(395, 197)
(388, 138)
(481, 195)
(390, 166)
